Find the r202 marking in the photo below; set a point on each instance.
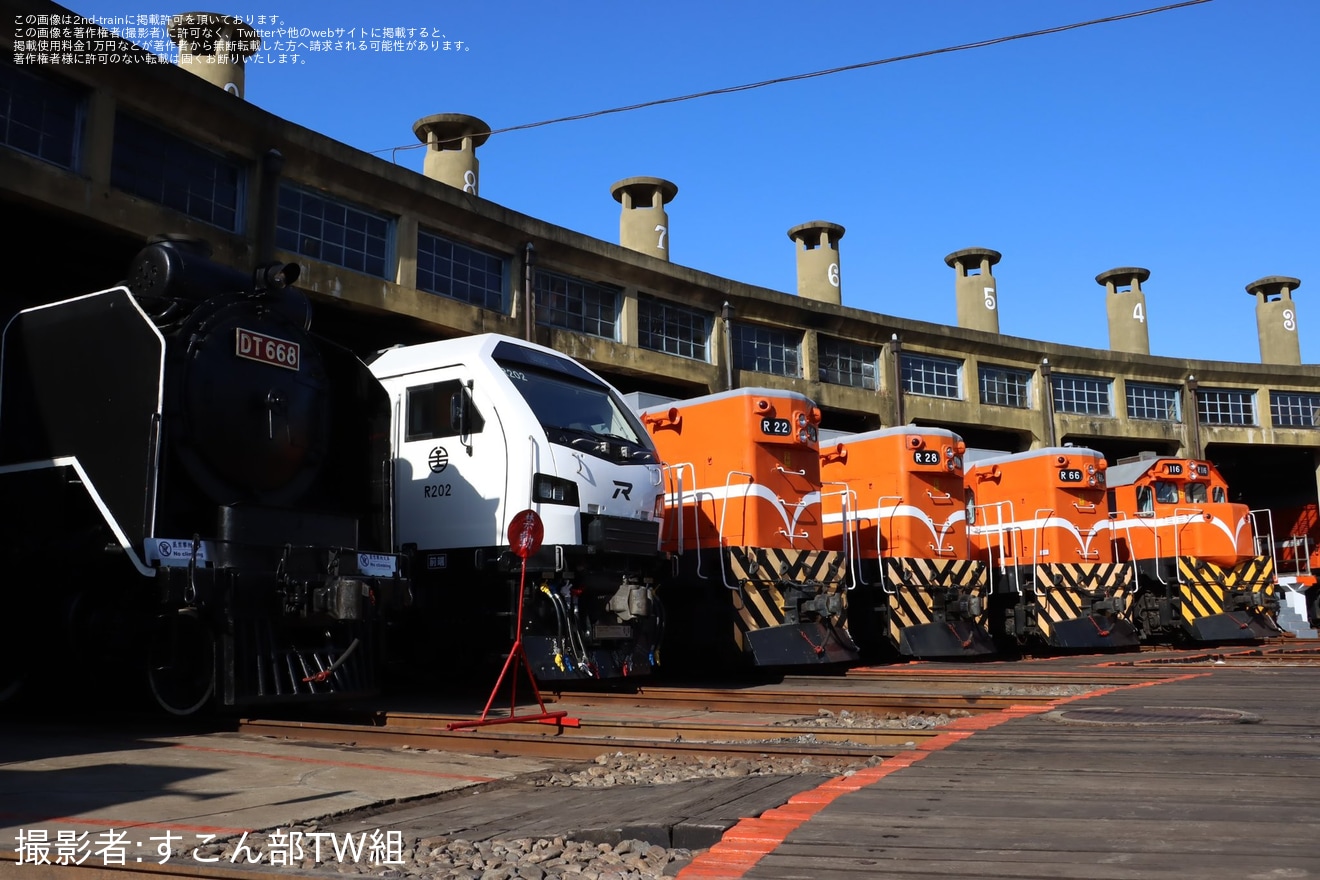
(436, 490)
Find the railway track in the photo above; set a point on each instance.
(838, 719)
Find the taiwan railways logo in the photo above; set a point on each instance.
(438, 460)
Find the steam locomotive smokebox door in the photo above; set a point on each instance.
(250, 406)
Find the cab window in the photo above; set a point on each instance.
(439, 410)
(1145, 501)
(1195, 493)
(1166, 493)
(1219, 495)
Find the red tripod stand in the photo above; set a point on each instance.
(525, 535)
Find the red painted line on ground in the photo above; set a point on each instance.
(98, 822)
(745, 844)
(348, 764)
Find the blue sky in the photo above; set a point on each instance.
(1184, 141)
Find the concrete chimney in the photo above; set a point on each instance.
(974, 289)
(451, 148)
(643, 223)
(1276, 319)
(818, 260)
(1126, 306)
(213, 46)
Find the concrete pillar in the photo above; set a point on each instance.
(643, 223)
(213, 46)
(1276, 319)
(451, 148)
(1126, 307)
(818, 260)
(974, 288)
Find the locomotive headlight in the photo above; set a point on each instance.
(948, 452)
(1092, 481)
(803, 436)
(802, 420)
(658, 510)
(554, 490)
(1090, 469)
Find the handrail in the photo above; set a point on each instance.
(1132, 561)
(724, 509)
(852, 544)
(1037, 528)
(679, 498)
(879, 533)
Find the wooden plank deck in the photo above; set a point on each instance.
(1039, 797)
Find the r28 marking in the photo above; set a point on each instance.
(436, 490)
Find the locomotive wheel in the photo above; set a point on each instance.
(181, 663)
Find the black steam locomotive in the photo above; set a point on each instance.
(194, 485)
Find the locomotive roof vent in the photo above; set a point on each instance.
(643, 222)
(975, 289)
(1145, 455)
(451, 148)
(818, 275)
(214, 46)
(1126, 307)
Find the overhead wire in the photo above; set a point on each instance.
(797, 77)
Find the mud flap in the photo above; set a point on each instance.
(955, 638)
(1094, 632)
(1231, 626)
(800, 644)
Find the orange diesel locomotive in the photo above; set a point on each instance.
(753, 579)
(1041, 521)
(1205, 566)
(916, 588)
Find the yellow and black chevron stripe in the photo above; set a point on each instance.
(1206, 588)
(764, 575)
(1068, 588)
(920, 585)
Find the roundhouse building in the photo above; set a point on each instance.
(96, 159)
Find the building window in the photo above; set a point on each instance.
(673, 329)
(847, 363)
(1003, 386)
(1292, 410)
(154, 164)
(39, 117)
(459, 271)
(1159, 403)
(578, 305)
(767, 350)
(332, 231)
(1081, 395)
(1225, 407)
(932, 376)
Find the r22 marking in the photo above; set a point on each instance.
(436, 490)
